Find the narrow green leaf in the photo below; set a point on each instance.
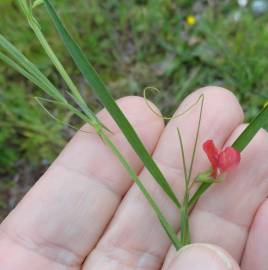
(24, 6)
(105, 97)
(247, 135)
(19, 69)
(27, 69)
(241, 142)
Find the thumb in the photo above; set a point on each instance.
(203, 257)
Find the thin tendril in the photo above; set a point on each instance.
(146, 89)
(38, 99)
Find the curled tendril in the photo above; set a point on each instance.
(146, 89)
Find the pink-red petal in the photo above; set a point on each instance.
(228, 159)
(213, 156)
(212, 152)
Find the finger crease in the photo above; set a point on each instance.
(129, 257)
(55, 253)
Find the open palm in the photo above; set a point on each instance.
(86, 213)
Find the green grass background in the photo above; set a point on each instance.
(132, 44)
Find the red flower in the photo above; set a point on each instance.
(221, 161)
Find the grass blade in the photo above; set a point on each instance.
(105, 97)
(247, 135)
(20, 70)
(28, 69)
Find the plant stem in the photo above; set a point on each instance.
(35, 27)
(185, 229)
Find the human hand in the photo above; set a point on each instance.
(86, 213)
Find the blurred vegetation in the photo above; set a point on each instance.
(132, 44)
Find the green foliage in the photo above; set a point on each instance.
(237, 51)
(25, 129)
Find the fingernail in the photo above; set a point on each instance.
(200, 257)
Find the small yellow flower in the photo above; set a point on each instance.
(191, 20)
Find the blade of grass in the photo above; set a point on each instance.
(21, 70)
(241, 142)
(247, 135)
(23, 65)
(105, 97)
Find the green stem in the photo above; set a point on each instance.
(185, 229)
(35, 27)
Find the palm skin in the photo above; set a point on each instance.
(86, 213)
